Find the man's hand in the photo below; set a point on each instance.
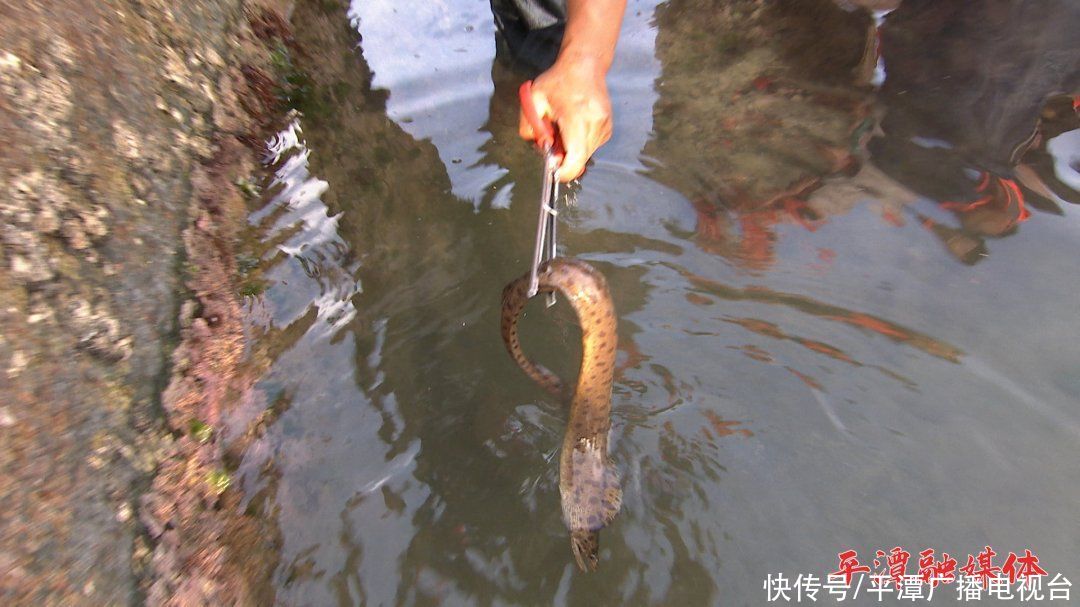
(574, 97)
(572, 93)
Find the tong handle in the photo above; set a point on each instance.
(552, 225)
(545, 237)
(544, 132)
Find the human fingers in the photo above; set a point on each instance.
(577, 147)
(581, 137)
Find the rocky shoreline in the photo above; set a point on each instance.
(132, 127)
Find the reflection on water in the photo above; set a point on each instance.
(847, 311)
(434, 57)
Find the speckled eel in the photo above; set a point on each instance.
(588, 483)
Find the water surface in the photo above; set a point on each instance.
(815, 353)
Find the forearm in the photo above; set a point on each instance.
(573, 92)
(592, 29)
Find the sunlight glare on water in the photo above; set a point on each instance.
(435, 60)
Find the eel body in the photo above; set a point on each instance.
(588, 482)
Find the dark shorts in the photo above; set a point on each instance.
(529, 31)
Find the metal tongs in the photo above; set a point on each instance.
(549, 193)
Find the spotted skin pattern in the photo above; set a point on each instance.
(588, 483)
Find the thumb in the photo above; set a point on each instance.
(543, 110)
(525, 129)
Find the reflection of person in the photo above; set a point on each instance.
(571, 91)
(975, 92)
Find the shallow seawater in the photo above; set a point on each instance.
(838, 326)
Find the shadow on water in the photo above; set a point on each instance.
(805, 364)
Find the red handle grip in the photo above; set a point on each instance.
(545, 132)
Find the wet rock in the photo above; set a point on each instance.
(125, 140)
(106, 109)
(97, 329)
(17, 364)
